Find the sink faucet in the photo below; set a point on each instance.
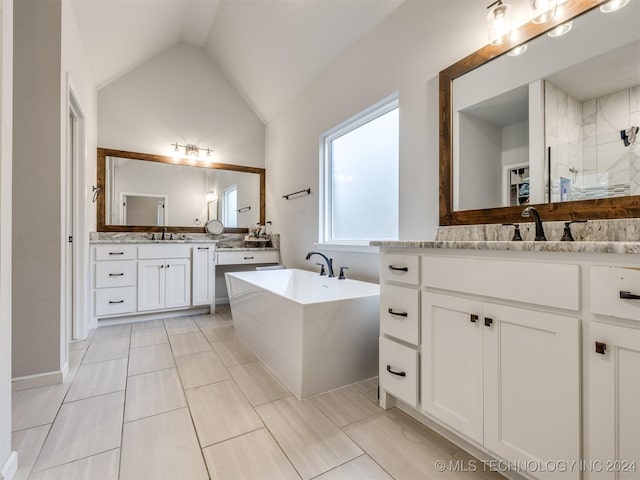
(164, 232)
(329, 262)
(527, 212)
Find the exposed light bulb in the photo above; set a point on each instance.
(499, 22)
(519, 50)
(543, 10)
(613, 5)
(560, 30)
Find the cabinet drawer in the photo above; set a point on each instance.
(608, 284)
(116, 274)
(235, 258)
(113, 301)
(116, 252)
(164, 251)
(403, 384)
(399, 268)
(399, 313)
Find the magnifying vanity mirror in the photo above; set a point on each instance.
(145, 192)
(555, 127)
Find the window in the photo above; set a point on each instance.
(360, 177)
(230, 207)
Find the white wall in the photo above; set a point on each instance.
(404, 53)
(515, 143)
(6, 83)
(179, 96)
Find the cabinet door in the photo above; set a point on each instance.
(532, 386)
(178, 282)
(151, 279)
(614, 401)
(202, 275)
(452, 362)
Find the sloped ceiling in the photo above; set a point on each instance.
(270, 50)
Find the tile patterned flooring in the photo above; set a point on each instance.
(185, 399)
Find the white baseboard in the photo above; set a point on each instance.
(9, 469)
(39, 380)
(222, 301)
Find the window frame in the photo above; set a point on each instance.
(225, 210)
(325, 233)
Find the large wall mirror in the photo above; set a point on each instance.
(555, 126)
(144, 192)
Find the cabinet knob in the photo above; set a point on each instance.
(474, 318)
(601, 348)
(398, 314)
(393, 372)
(488, 321)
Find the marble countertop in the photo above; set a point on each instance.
(149, 241)
(525, 246)
(246, 249)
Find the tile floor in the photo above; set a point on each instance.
(185, 399)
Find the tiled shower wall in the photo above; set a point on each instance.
(586, 136)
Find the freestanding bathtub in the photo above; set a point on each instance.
(314, 333)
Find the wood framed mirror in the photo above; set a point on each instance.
(141, 192)
(556, 193)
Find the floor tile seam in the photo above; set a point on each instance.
(124, 405)
(184, 333)
(153, 371)
(338, 466)
(29, 428)
(93, 396)
(233, 437)
(149, 345)
(72, 461)
(191, 353)
(100, 361)
(205, 385)
(354, 421)
(37, 456)
(95, 363)
(369, 454)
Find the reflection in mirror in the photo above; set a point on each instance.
(143, 191)
(556, 124)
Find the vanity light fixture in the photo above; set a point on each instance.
(519, 50)
(499, 22)
(543, 10)
(613, 5)
(560, 30)
(190, 150)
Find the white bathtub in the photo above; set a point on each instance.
(314, 333)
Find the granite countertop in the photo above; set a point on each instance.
(524, 246)
(246, 249)
(149, 241)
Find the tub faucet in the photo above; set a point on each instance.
(329, 262)
(527, 212)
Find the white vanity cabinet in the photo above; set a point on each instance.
(203, 275)
(503, 376)
(164, 283)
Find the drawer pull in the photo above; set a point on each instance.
(474, 318)
(116, 274)
(399, 374)
(488, 321)
(629, 296)
(248, 258)
(398, 314)
(601, 348)
(203, 248)
(399, 269)
(116, 253)
(116, 301)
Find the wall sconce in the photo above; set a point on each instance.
(543, 10)
(499, 22)
(190, 150)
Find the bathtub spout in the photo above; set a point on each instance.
(329, 262)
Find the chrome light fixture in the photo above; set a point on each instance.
(499, 22)
(613, 5)
(560, 30)
(190, 150)
(543, 10)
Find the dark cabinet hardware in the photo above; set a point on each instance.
(116, 253)
(161, 266)
(203, 248)
(116, 274)
(488, 321)
(601, 348)
(168, 266)
(399, 374)
(629, 295)
(474, 318)
(399, 269)
(116, 301)
(248, 258)
(398, 314)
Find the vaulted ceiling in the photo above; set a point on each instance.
(270, 50)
